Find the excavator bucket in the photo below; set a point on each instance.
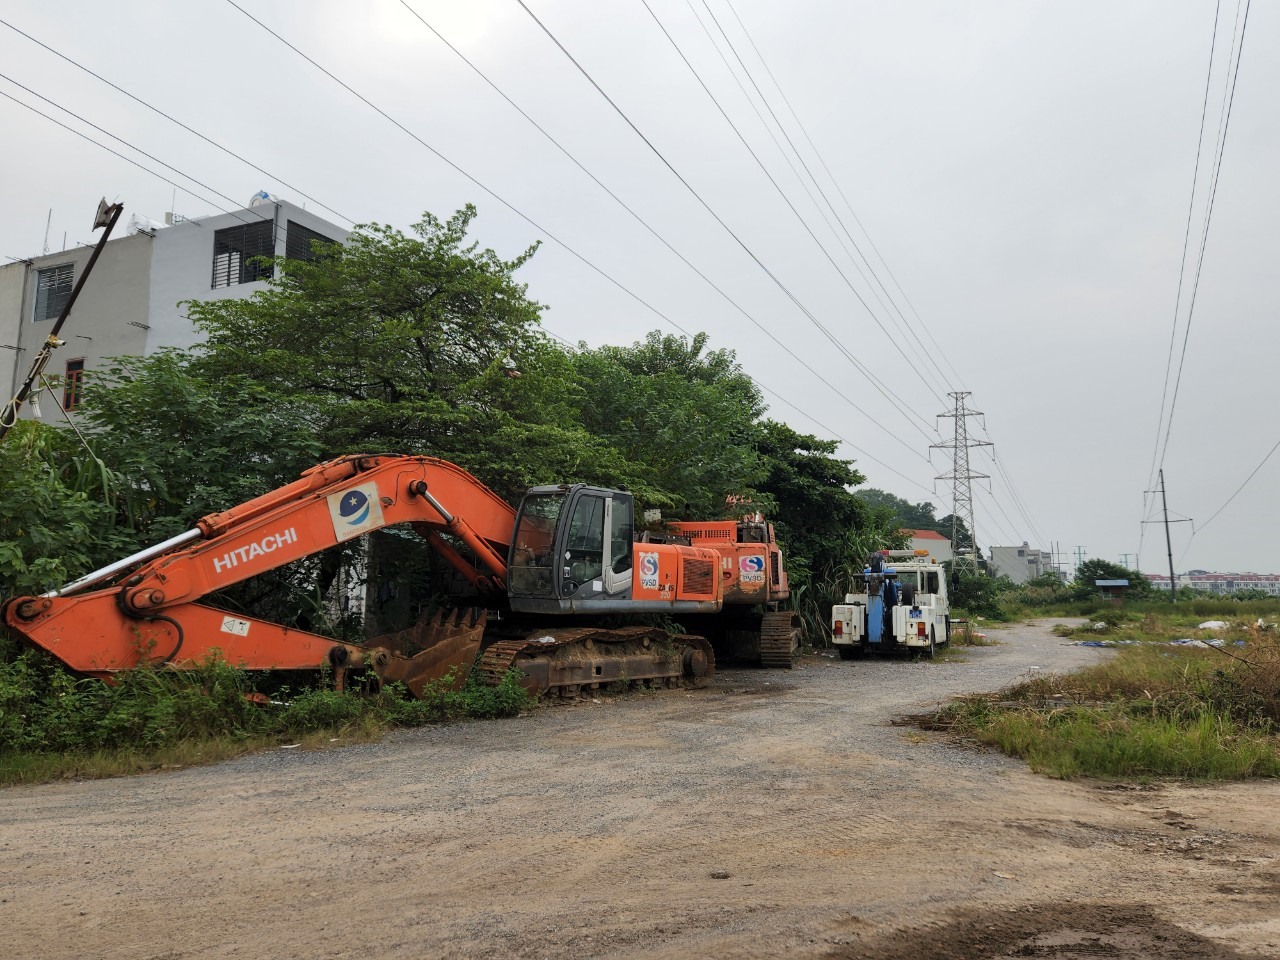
(430, 650)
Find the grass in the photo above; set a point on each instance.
(1150, 711)
(972, 634)
(1112, 745)
(55, 725)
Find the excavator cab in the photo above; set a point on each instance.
(572, 549)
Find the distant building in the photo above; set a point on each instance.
(129, 304)
(1220, 583)
(939, 547)
(1020, 564)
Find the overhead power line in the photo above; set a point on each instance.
(848, 206)
(1186, 242)
(661, 239)
(234, 205)
(804, 413)
(901, 405)
(1208, 218)
(209, 140)
(500, 199)
(901, 323)
(1233, 496)
(129, 160)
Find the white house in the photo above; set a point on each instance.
(939, 547)
(129, 304)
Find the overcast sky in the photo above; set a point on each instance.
(1024, 170)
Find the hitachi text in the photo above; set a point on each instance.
(268, 544)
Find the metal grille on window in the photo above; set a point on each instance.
(234, 250)
(53, 287)
(297, 241)
(72, 384)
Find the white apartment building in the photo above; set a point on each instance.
(1020, 564)
(129, 304)
(1220, 583)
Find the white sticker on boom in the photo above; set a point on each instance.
(238, 627)
(355, 511)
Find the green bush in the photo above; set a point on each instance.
(44, 709)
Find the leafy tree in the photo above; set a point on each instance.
(684, 419)
(422, 343)
(1096, 568)
(977, 594)
(54, 520)
(913, 516)
(191, 444)
(816, 513)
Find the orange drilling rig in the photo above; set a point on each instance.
(568, 554)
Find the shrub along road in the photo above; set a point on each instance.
(775, 814)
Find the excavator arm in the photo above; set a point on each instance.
(146, 608)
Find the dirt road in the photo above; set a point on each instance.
(773, 815)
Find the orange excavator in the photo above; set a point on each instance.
(752, 626)
(568, 555)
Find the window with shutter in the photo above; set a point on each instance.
(235, 250)
(53, 288)
(298, 239)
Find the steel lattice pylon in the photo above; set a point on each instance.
(963, 543)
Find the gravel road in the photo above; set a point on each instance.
(773, 814)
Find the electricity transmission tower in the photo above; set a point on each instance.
(964, 533)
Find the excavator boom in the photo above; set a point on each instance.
(148, 610)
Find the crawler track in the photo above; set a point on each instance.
(779, 638)
(576, 661)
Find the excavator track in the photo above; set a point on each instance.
(779, 638)
(575, 662)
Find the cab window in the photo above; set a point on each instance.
(620, 535)
(585, 543)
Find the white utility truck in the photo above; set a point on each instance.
(899, 602)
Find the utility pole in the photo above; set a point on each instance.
(961, 478)
(1164, 503)
(1168, 541)
(1079, 556)
(1124, 559)
(107, 216)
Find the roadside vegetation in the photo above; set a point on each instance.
(55, 725)
(1174, 700)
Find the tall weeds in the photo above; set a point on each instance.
(1150, 711)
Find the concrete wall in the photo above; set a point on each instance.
(11, 280)
(1020, 564)
(107, 320)
(182, 267)
(940, 550)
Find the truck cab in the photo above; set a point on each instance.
(898, 602)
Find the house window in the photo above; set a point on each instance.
(53, 287)
(234, 250)
(72, 384)
(297, 241)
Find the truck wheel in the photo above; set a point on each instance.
(847, 652)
